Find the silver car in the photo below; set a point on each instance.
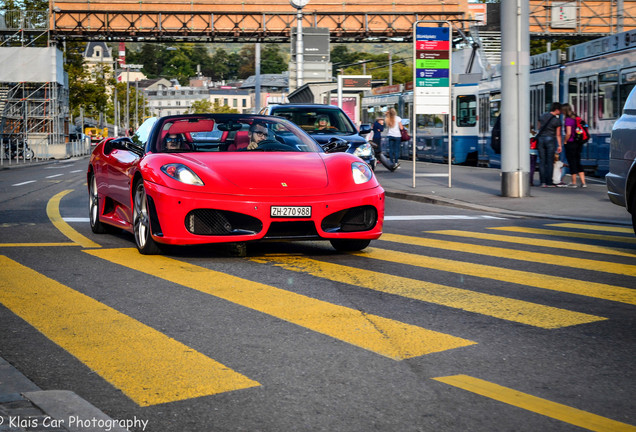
(621, 179)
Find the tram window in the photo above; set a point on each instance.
(608, 103)
(572, 94)
(466, 111)
(628, 81)
(549, 93)
(495, 107)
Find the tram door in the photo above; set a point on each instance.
(483, 141)
(588, 110)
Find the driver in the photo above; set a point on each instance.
(173, 142)
(258, 132)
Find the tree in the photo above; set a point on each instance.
(221, 62)
(272, 60)
(86, 92)
(222, 109)
(201, 107)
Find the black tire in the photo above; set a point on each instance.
(141, 222)
(633, 209)
(349, 245)
(93, 207)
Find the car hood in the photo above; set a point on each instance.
(263, 171)
(323, 138)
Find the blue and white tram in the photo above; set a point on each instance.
(594, 77)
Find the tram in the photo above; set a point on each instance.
(595, 77)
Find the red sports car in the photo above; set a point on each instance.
(211, 178)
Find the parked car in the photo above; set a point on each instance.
(328, 124)
(215, 178)
(621, 179)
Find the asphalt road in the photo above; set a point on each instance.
(453, 321)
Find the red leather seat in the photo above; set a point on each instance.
(241, 141)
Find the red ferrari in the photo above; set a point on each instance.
(211, 178)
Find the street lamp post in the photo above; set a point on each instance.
(299, 5)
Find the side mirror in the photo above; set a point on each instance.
(127, 145)
(335, 145)
(365, 129)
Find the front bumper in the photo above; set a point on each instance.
(173, 215)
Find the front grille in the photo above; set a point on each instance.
(221, 222)
(292, 229)
(354, 219)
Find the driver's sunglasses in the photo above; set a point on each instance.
(262, 133)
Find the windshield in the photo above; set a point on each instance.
(229, 133)
(318, 120)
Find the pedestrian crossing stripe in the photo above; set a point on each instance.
(520, 311)
(555, 260)
(557, 244)
(553, 283)
(535, 404)
(561, 233)
(390, 338)
(146, 365)
(590, 227)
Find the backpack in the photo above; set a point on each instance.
(581, 134)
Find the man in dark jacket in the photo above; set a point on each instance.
(548, 143)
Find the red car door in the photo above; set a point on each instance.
(121, 166)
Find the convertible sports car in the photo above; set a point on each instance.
(211, 178)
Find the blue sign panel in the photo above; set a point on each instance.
(432, 33)
(432, 73)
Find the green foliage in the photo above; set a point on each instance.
(217, 108)
(377, 65)
(202, 106)
(538, 46)
(86, 91)
(27, 5)
(120, 89)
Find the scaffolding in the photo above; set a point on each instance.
(33, 90)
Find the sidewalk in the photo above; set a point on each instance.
(25, 407)
(480, 189)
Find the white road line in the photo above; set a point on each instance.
(23, 183)
(76, 219)
(54, 175)
(439, 217)
(76, 171)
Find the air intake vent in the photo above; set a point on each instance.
(221, 222)
(295, 229)
(355, 219)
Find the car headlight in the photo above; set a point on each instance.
(361, 172)
(182, 173)
(365, 150)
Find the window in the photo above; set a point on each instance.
(466, 111)
(573, 89)
(224, 101)
(549, 95)
(244, 103)
(608, 104)
(495, 107)
(628, 81)
(234, 103)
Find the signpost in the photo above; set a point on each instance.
(352, 82)
(432, 80)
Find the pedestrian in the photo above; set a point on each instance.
(378, 128)
(558, 170)
(548, 143)
(572, 148)
(394, 123)
(533, 155)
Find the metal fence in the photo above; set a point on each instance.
(19, 152)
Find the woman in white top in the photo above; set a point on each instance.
(394, 134)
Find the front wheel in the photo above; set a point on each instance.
(93, 207)
(349, 245)
(633, 208)
(141, 223)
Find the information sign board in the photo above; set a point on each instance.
(431, 73)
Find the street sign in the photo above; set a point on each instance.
(431, 81)
(431, 57)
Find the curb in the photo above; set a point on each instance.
(432, 199)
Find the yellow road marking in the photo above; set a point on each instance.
(486, 304)
(535, 404)
(148, 366)
(556, 260)
(383, 336)
(554, 283)
(560, 233)
(53, 212)
(539, 242)
(36, 244)
(594, 227)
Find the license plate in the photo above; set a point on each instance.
(291, 211)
